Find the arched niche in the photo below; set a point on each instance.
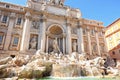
(55, 31)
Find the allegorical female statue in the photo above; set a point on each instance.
(33, 42)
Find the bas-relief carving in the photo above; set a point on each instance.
(35, 24)
(15, 42)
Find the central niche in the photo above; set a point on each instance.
(55, 33)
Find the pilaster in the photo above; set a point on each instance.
(9, 32)
(80, 40)
(26, 33)
(105, 43)
(89, 41)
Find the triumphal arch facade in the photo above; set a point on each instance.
(52, 21)
(50, 26)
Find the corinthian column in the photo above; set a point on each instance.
(26, 33)
(9, 32)
(80, 40)
(89, 41)
(42, 34)
(98, 43)
(68, 39)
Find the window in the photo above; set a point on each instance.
(108, 32)
(110, 38)
(4, 20)
(19, 21)
(113, 53)
(7, 6)
(1, 39)
(15, 41)
(117, 35)
(21, 9)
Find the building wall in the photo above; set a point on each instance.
(10, 27)
(94, 39)
(115, 53)
(113, 38)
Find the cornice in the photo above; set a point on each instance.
(35, 12)
(11, 10)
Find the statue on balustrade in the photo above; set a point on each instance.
(74, 46)
(59, 2)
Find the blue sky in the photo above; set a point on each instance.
(105, 11)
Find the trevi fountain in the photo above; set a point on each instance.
(60, 53)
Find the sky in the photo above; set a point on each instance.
(106, 11)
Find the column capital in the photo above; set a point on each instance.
(28, 15)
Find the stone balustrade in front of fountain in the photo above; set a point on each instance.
(57, 65)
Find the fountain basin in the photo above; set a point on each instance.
(66, 70)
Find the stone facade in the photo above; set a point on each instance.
(38, 24)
